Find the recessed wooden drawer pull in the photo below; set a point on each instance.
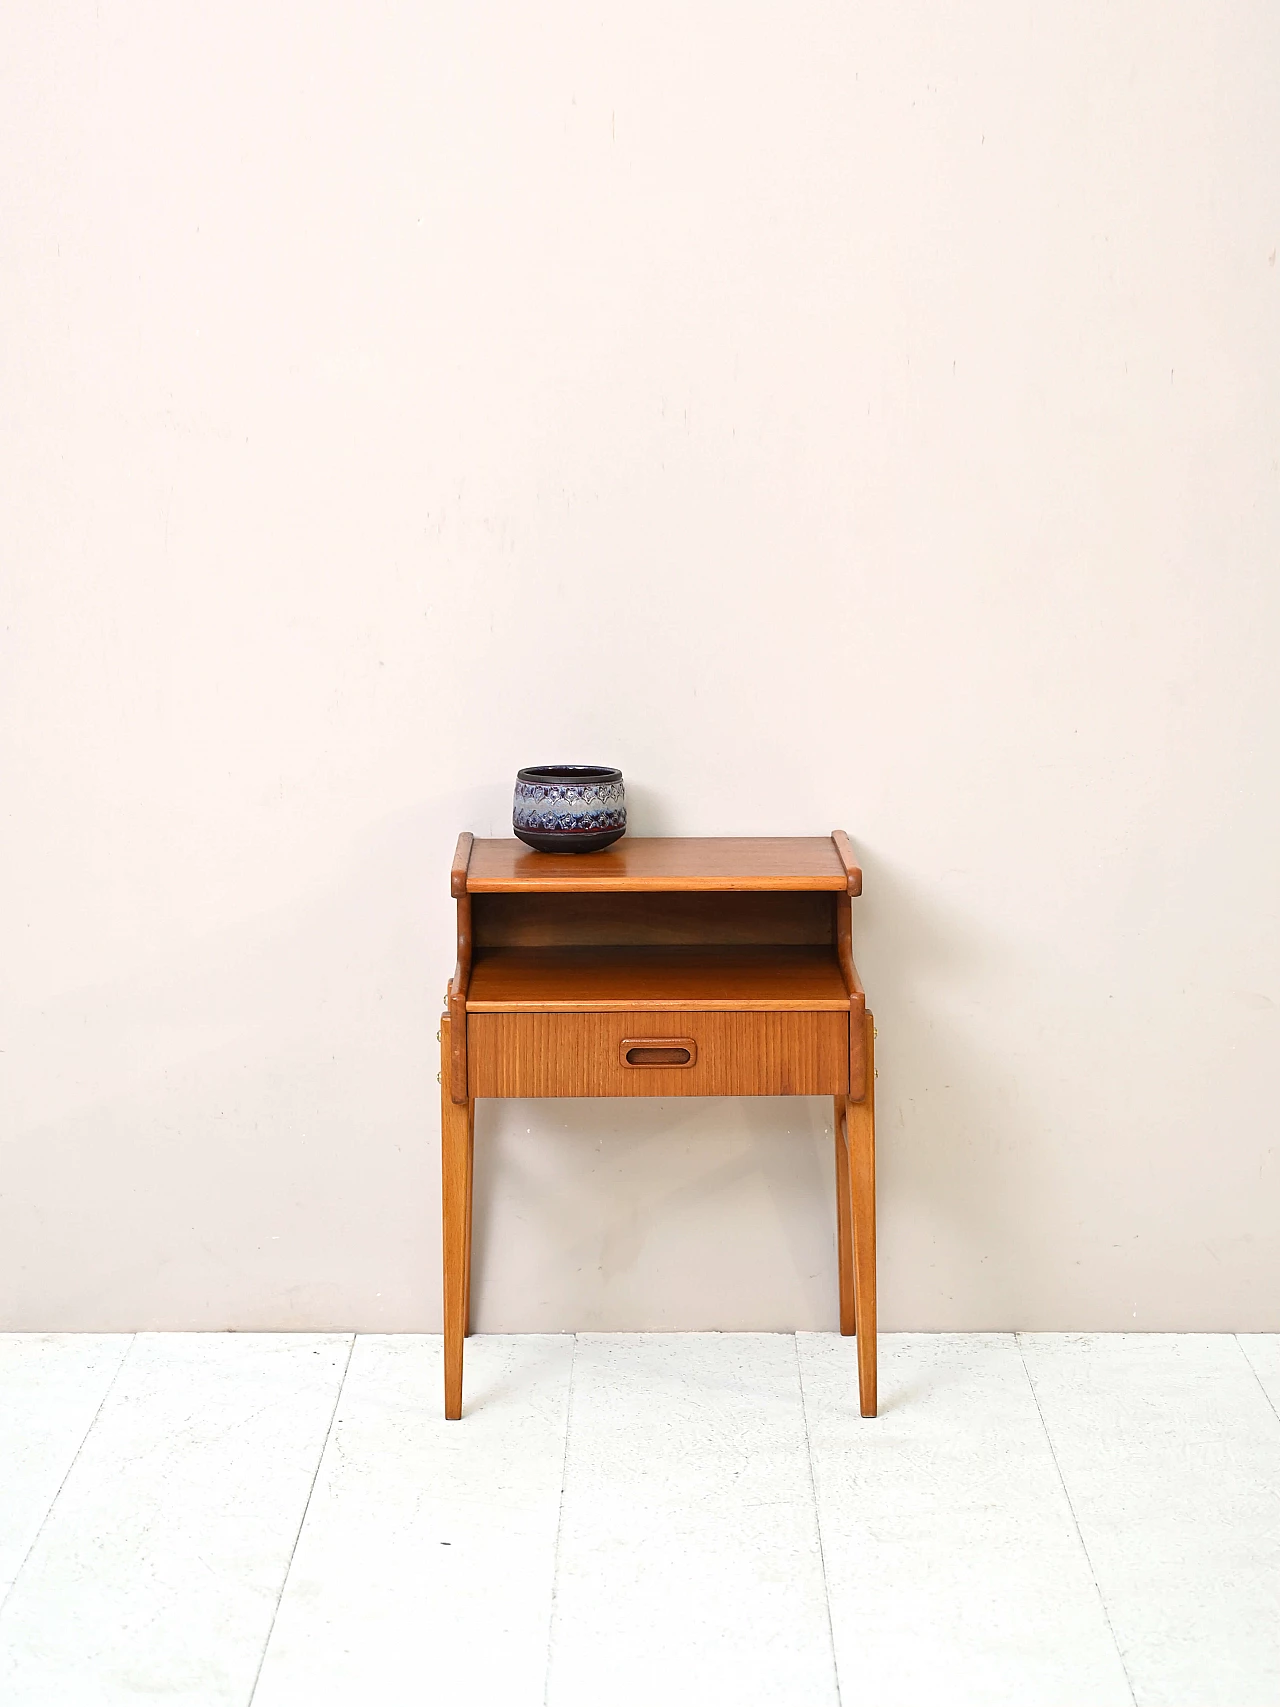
(659, 1052)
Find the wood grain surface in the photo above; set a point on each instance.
(857, 996)
(457, 1000)
(693, 976)
(579, 1054)
(457, 1144)
(860, 1137)
(708, 916)
(844, 1224)
(661, 862)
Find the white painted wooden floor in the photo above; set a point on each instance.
(1067, 1520)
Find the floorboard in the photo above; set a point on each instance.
(1171, 1457)
(158, 1569)
(262, 1520)
(689, 1567)
(425, 1569)
(954, 1568)
(52, 1386)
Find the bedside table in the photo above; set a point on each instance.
(662, 967)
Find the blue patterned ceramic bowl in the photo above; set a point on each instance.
(569, 808)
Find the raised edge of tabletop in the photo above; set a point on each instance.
(461, 860)
(852, 870)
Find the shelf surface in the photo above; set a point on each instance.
(654, 863)
(706, 979)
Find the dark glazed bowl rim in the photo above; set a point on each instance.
(568, 775)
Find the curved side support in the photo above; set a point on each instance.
(458, 986)
(461, 979)
(857, 1000)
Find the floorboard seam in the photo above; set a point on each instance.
(1066, 1493)
(315, 1477)
(4, 1599)
(555, 1556)
(1275, 1413)
(817, 1519)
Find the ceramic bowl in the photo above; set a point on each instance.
(569, 808)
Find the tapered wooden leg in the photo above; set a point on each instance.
(844, 1222)
(861, 1127)
(471, 1175)
(455, 1174)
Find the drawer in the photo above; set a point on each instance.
(612, 1054)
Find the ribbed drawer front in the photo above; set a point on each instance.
(533, 1054)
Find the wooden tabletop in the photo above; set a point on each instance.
(653, 863)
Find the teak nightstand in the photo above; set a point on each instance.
(663, 967)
